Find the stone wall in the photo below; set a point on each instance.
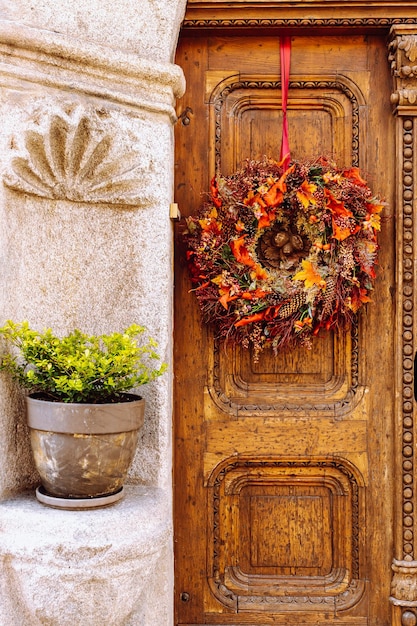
(87, 107)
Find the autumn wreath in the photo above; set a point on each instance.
(277, 254)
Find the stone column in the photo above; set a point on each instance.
(87, 108)
(403, 59)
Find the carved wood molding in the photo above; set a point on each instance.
(403, 60)
(344, 588)
(365, 23)
(407, 297)
(405, 576)
(337, 407)
(405, 205)
(404, 583)
(339, 84)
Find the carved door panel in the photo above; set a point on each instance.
(283, 468)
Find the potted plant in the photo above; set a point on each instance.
(83, 419)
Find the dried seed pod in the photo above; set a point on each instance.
(281, 238)
(297, 242)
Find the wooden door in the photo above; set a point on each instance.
(284, 468)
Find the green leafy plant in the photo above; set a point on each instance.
(78, 367)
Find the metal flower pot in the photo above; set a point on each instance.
(83, 451)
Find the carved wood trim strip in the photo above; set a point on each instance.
(285, 22)
(339, 407)
(402, 57)
(341, 601)
(407, 391)
(221, 96)
(404, 581)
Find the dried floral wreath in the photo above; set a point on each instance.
(276, 253)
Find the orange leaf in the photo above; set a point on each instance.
(353, 173)
(335, 206)
(310, 275)
(341, 233)
(213, 187)
(259, 272)
(240, 252)
(256, 293)
(359, 297)
(226, 298)
(274, 196)
(373, 207)
(210, 225)
(305, 194)
(249, 319)
(253, 198)
(266, 219)
(227, 294)
(249, 198)
(215, 193)
(203, 285)
(272, 311)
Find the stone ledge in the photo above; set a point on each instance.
(93, 564)
(34, 56)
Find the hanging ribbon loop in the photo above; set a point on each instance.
(285, 50)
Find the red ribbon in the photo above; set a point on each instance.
(285, 50)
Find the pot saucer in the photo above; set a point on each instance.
(77, 504)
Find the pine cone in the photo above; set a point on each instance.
(329, 296)
(292, 305)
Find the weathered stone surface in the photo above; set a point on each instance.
(87, 567)
(82, 153)
(149, 27)
(86, 162)
(86, 239)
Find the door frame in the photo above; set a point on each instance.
(401, 31)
